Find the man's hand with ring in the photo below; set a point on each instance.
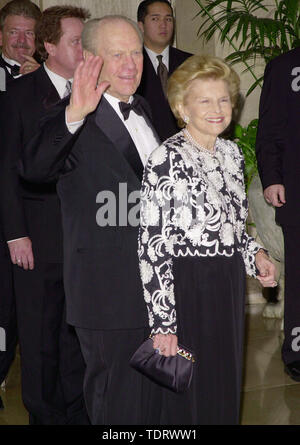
(21, 253)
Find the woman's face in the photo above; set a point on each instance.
(208, 107)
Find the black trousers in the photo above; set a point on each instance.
(8, 317)
(291, 294)
(52, 365)
(116, 394)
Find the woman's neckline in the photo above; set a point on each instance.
(196, 145)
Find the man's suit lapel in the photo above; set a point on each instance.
(46, 89)
(113, 128)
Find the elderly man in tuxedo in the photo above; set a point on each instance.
(18, 19)
(156, 20)
(51, 361)
(96, 146)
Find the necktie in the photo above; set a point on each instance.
(163, 74)
(68, 89)
(14, 69)
(125, 108)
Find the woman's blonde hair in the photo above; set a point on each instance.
(203, 68)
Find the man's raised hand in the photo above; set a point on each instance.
(86, 92)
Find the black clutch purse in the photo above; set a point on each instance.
(173, 372)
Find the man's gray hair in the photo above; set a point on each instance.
(92, 28)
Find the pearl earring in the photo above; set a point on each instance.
(186, 119)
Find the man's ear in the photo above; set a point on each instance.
(50, 48)
(0, 38)
(141, 26)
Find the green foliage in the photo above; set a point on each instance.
(251, 36)
(245, 137)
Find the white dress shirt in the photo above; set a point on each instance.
(141, 134)
(58, 81)
(153, 57)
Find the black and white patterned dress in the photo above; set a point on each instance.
(193, 251)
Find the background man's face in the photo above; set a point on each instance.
(67, 54)
(122, 53)
(18, 37)
(158, 26)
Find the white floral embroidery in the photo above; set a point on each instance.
(216, 179)
(152, 178)
(147, 296)
(195, 234)
(183, 217)
(146, 271)
(180, 189)
(158, 156)
(193, 204)
(151, 213)
(226, 234)
(145, 236)
(151, 254)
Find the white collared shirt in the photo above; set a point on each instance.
(140, 132)
(11, 62)
(153, 57)
(58, 81)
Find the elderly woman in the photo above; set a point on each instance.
(193, 246)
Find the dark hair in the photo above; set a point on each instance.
(23, 8)
(143, 8)
(49, 27)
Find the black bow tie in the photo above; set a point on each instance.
(14, 69)
(136, 106)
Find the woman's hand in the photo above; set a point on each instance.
(166, 344)
(266, 269)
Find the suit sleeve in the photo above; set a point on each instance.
(272, 123)
(44, 156)
(11, 204)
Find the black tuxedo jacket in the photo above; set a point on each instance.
(278, 137)
(27, 209)
(150, 88)
(102, 283)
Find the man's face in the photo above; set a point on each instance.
(122, 53)
(67, 54)
(158, 26)
(18, 37)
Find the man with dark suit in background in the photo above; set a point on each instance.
(52, 365)
(18, 19)
(99, 170)
(156, 20)
(278, 157)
